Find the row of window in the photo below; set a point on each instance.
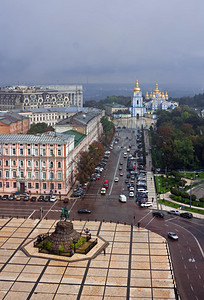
(36, 163)
(36, 152)
(29, 174)
(52, 186)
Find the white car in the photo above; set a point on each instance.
(53, 199)
(131, 189)
(103, 191)
(172, 235)
(131, 194)
(128, 150)
(116, 179)
(174, 212)
(146, 204)
(142, 191)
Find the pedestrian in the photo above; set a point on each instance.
(138, 224)
(104, 251)
(151, 178)
(152, 199)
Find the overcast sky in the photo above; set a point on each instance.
(108, 41)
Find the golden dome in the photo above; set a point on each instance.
(166, 95)
(154, 95)
(137, 89)
(151, 94)
(156, 90)
(147, 95)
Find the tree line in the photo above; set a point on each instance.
(178, 142)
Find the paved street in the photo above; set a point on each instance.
(186, 253)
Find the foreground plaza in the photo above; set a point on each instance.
(135, 264)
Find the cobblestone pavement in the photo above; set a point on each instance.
(136, 265)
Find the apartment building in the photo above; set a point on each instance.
(38, 164)
(12, 123)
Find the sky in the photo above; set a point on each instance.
(102, 41)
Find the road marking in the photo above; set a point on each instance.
(187, 275)
(182, 257)
(191, 287)
(184, 266)
(196, 266)
(149, 222)
(73, 205)
(49, 209)
(32, 214)
(199, 276)
(189, 249)
(114, 174)
(145, 216)
(170, 219)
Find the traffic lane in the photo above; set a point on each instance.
(184, 253)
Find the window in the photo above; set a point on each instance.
(51, 164)
(29, 163)
(44, 164)
(14, 174)
(29, 175)
(21, 163)
(7, 184)
(36, 163)
(36, 175)
(37, 185)
(44, 186)
(52, 186)
(51, 152)
(36, 152)
(0, 184)
(21, 151)
(44, 152)
(59, 175)
(29, 185)
(59, 164)
(59, 186)
(14, 151)
(6, 163)
(44, 175)
(51, 174)
(59, 152)
(6, 151)
(14, 185)
(22, 174)
(14, 163)
(0, 173)
(7, 174)
(29, 151)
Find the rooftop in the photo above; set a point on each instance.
(78, 137)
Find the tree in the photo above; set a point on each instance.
(39, 128)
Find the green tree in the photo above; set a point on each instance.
(39, 128)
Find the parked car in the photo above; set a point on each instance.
(172, 235)
(53, 199)
(116, 179)
(33, 199)
(41, 198)
(131, 189)
(131, 194)
(173, 212)
(146, 204)
(121, 174)
(186, 215)
(25, 198)
(11, 197)
(5, 197)
(141, 190)
(47, 198)
(84, 211)
(18, 198)
(158, 214)
(66, 200)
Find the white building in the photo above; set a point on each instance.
(137, 108)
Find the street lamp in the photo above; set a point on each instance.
(190, 192)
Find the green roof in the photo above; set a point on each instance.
(78, 137)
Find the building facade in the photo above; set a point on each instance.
(12, 123)
(137, 108)
(37, 164)
(23, 97)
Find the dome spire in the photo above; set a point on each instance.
(156, 90)
(137, 88)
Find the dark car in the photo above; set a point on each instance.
(41, 198)
(11, 197)
(33, 199)
(5, 197)
(186, 215)
(47, 198)
(158, 214)
(66, 200)
(84, 211)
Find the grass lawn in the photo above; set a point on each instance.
(193, 175)
(164, 184)
(174, 205)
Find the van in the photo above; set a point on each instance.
(125, 155)
(122, 198)
(106, 184)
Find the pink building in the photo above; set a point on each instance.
(36, 163)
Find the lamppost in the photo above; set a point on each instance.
(190, 192)
(86, 230)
